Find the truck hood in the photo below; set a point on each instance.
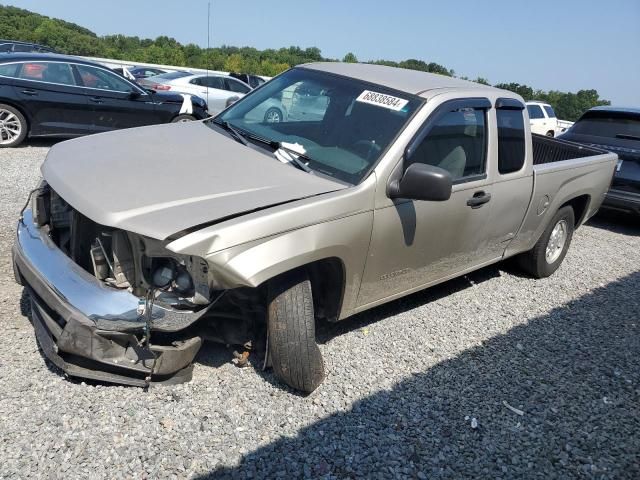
(160, 180)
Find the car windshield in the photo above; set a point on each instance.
(339, 126)
(608, 124)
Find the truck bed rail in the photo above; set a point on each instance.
(549, 150)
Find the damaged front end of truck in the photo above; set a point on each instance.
(117, 306)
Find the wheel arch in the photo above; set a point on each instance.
(580, 206)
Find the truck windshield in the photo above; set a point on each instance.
(608, 124)
(340, 126)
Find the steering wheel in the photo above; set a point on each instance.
(366, 148)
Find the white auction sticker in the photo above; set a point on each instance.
(382, 100)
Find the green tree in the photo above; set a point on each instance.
(350, 58)
(524, 91)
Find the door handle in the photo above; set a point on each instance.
(95, 99)
(31, 93)
(479, 199)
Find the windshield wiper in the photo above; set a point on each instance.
(234, 133)
(627, 137)
(295, 158)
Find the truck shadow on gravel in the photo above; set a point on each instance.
(571, 383)
(617, 222)
(327, 331)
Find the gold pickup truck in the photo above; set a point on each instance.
(247, 228)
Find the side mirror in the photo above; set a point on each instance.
(134, 94)
(422, 182)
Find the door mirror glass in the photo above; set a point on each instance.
(422, 182)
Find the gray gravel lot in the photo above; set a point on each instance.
(415, 389)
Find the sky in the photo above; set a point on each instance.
(564, 45)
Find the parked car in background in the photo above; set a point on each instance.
(254, 81)
(124, 72)
(616, 129)
(13, 46)
(130, 258)
(146, 72)
(542, 119)
(55, 95)
(162, 81)
(218, 90)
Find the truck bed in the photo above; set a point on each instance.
(550, 150)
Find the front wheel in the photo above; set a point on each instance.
(183, 119)
(273, 115)
(549, 252)
(13, 127)
(291, 338)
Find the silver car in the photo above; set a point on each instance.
(219, 91)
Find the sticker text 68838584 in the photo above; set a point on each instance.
(382, 100)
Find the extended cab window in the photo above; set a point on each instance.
(535, 112)
(456, 142)
(511, 149)
(50, 72)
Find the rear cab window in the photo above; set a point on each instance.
(511, 139)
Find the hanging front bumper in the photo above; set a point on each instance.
(93, 331)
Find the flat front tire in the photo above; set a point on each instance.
(549, 252)
(292, 348)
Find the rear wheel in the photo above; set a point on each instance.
(183, 118)
(547, 255)
(13, 127)
(292, 348)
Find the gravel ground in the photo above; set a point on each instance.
(492, 375)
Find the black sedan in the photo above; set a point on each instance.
(617, 130)
(46, 95)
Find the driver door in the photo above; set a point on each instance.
(418, 243)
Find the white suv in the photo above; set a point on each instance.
(542, 119)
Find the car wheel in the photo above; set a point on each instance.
(550, 133)
(292, 348)
(549, 252)
(273, 115)
(183, 118)
(13, 127)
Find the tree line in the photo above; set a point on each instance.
(72, 39)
